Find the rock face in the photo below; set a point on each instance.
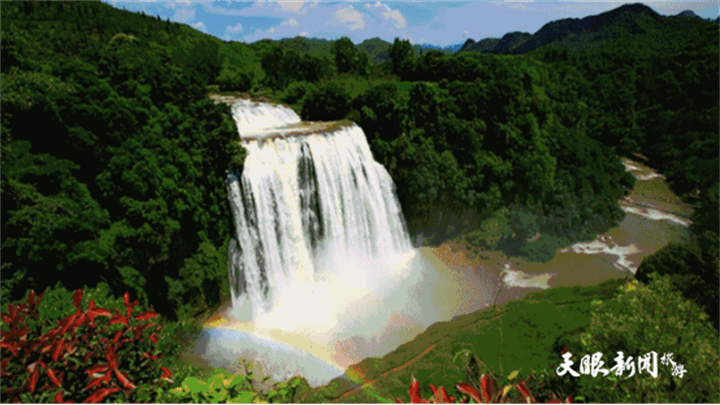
(218, 98)
(235, 266)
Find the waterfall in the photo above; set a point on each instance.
(252, 117)
(321, 258)
(317, 221)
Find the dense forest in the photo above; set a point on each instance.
(113, 156)
(115, 160)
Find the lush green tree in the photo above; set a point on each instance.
(272, 65)
(653, 318)
(311, 68)
(376, 111)
(360, 63)
(400, 55)
(424, 109)
(330, 101)
(234, 79)
(296, 92)
(706, 217)
(344, 52)
(694, 270)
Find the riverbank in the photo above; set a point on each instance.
(654, 218)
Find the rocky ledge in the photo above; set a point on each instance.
(219, 98)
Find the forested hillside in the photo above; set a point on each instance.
(629, 21)
(113, 158)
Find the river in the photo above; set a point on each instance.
(654, 218)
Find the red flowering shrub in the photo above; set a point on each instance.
(485, 391)
(89, 356)
(488, 394)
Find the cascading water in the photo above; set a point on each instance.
(321, 257)
(255, 117)
(301, 198)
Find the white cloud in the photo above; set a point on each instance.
(178, 4)
(389, 14)
(304, 34)
(291, 22)
(396, 16)
(291, 6)
(237, 28)
(349, 17)
(210, 8)
(184, 15)
(466, 33)
(200, 26)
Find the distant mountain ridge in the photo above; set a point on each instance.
(629, 20)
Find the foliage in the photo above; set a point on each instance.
(239, 388)
(41, 362)
(640, 320)
(283, 66)
(233, 79)
(486, 391)
(347, 58)
(498, 132)
(694, 271)
(400, 56)
(131, 183)
(296, 92)
(328, 102)
(706, 216)
(658, 97)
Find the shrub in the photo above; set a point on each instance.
(644, 319)
(483, 388)
(296, 91)
(89, 356)
(329, 102)
(693, 269)
(234, 79)
(226, 387)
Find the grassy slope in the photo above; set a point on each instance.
(519, 336)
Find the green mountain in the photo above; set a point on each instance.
(378, 50)
(625, 22)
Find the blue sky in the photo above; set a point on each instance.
(438, 22)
